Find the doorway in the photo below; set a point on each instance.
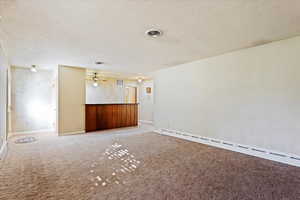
(33, 101)
(131, 94)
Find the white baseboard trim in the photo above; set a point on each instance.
(146, 122)
(3, 150)
(72, 133)
(31, 132)
(245, 149)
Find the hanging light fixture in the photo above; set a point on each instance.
(139, 80)
(95, 79)
(33, 68)
(95, 84)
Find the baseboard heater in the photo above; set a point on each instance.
(246, 149)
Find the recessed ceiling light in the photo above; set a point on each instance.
(98, 63)
(154, 33)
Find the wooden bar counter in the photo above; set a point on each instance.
(109, 116)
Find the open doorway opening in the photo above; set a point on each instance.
(131, 94)
(33, 101)
(146, 101)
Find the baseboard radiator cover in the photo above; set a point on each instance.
(289, 159)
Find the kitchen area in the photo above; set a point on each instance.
(92, 100)
(112, 101)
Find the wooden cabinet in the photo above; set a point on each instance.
(108, 116)
(90, 118)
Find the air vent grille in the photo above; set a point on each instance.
(120, 83)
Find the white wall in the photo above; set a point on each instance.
(71, 100)
(3, 96)
(107, 92)
(33, 100)
(250, 97)
(146, 101)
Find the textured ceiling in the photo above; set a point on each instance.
(80, 32)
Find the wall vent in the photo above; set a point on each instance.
(243, 147)
(277, 154)
(120, 83)
(226, 143)
(258, 150)
(295, 158)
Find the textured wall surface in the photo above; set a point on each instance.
(249, 97)
(146, 101)
(33, 100)
(3, 96)
(71, 100)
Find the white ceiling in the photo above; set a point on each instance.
(80, 32)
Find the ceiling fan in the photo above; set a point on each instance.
(95, 76)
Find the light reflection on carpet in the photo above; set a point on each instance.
(122, 161)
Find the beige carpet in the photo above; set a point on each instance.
(138, 166)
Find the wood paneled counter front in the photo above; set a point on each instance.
(108, 116)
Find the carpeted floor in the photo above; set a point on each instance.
(142, 166)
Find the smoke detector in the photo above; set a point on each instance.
(154, 33)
